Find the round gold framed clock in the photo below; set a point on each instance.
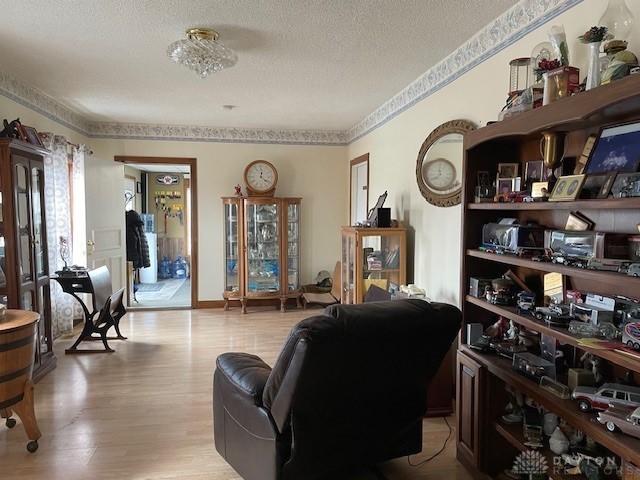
(439, 174)
(260, 178)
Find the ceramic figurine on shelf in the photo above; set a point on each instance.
(238, 190)
(513, 410)
(498, 329)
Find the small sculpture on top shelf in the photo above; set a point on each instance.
(238, 190)
(11, 129)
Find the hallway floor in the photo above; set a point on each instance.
(166, 293)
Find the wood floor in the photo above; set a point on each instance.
(144, 412)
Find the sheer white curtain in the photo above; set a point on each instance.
(58, 216)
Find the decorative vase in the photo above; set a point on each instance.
(593, 74)
(618, 19)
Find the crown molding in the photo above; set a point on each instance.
(514, 24)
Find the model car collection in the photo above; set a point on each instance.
(591, 398)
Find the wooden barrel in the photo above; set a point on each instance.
(18, 333)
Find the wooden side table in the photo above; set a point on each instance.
(18, 336)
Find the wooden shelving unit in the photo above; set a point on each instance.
(482, 378)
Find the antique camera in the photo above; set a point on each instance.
(512, 238)
(587, 244)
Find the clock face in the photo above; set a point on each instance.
(260, 176)
(439, 174)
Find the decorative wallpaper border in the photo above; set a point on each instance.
(216, 134)
(514, 24)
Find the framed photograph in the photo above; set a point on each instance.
(620, 185)
(507, 170)
(484, 180)
(504, 186)
(32, 136)
(533, 172)
(592, 185)
(138, 187)
(617, 148)
(606, 186)
(567, 188)
(584, 157)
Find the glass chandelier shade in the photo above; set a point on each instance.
(618, 19)
(202, 52)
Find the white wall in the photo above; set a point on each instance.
(478, 95)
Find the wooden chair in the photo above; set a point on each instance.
(326, 298)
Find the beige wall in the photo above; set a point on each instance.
(317, 174)
(478, 96)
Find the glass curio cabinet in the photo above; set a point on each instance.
(372, 256)
(262, 245)
(24, 263)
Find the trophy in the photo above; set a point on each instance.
(552, 151)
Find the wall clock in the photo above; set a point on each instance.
(260, 178)
(439, 165)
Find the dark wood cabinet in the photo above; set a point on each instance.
(485, 444)
(24, 283)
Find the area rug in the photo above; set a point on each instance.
(148, 287)
(168, 288)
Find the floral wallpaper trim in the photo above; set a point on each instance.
(514, 24)
(216, 134)
(14, 89)
(511, 26)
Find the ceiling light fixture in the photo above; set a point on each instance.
(202, 52)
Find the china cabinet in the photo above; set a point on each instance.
(485, 444)
(261, 249)
(24, 274)
(372, 256)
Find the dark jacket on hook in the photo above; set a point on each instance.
(137, 246)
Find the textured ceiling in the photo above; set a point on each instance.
(322, 65)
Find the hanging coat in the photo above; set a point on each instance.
(137, 246)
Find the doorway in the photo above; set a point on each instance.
(158, 192)
(359, 189)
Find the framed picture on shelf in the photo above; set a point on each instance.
(533, 172)
(567, 188)
(32, 136)
(507, 170)
(484, 180)
(606, 186)
(504, 186)
(593, 185)
(617, 148)
(622, 181)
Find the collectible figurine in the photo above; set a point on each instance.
(238, 191)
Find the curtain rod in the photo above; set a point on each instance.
(77, 145)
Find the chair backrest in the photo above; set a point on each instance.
(353, 382)
(101, 282)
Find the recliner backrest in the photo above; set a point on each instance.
(354, 378)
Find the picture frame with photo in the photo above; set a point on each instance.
(533, 172)
(567, 188)
(504, 186)
(606, 186)
(32, 136)
(592, 185)
(623, 179)
(484, 179)
(617, 148)
(508, 170)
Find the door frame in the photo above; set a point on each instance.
(193, 214)
(352, 165)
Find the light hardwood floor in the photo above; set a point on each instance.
(144, 412)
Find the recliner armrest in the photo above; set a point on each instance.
(247, 373)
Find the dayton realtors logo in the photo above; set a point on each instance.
(530, 463)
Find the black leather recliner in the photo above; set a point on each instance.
(348, 389)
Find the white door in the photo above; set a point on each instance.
(359, 189)
(106, 234)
